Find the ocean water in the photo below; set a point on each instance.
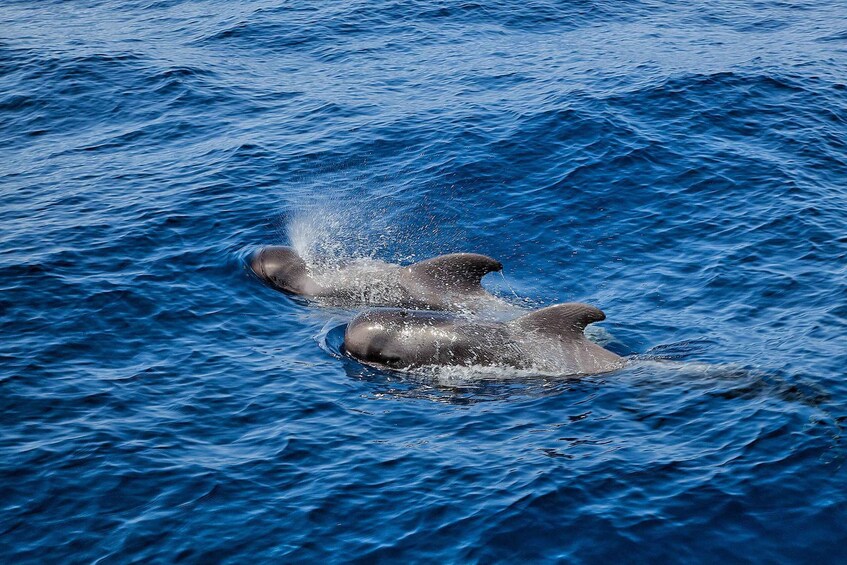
(681, 165)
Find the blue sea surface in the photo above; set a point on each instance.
(681, 165)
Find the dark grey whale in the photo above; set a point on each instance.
(446, 282)
(550, 340)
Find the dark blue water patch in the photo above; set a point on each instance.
(835, 37)
(681, 166)
(336, 32)
(83, 84)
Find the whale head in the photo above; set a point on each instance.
(282, 268)
(393, 337)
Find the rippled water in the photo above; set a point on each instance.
(683, 166)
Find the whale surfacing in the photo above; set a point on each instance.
(446, 282)
(550, 340)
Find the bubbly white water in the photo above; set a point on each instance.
(328, 229)
(343, 241)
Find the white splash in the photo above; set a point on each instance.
(342, 241)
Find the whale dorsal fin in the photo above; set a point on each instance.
(454, 272)
(568, 319)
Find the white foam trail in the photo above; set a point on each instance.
(549, 365)
(548, 368)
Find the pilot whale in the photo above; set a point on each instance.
(446, 282)
(549, 340)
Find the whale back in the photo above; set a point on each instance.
(453, 273)
(567, 348)
(566, 320)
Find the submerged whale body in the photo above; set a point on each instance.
(549, 340)
(446, 282)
